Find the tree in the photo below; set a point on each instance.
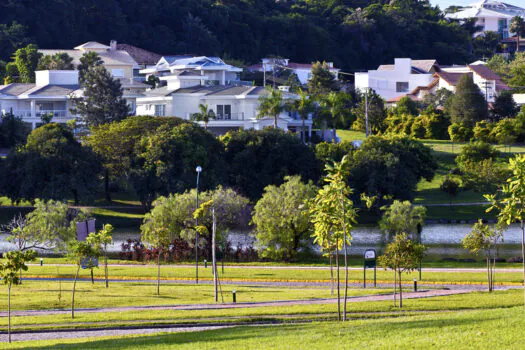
(271, 104)
(333, 215)
(11, 73)
(26, 60)
(406, 106)
(402, 255)
(102, 100)
(168, 158)
(516, 73)
(328, 152)
(204, 115)
(271, 154)
(468, 103)
(511, 202)
(174, 213)
(486, 45)
(117, 144)
(460, 132)
(372, 103)
(483, 176)
(282, 219)
(517, 25)
(304, 107)
(322, 81)
(13, 131)
(81, 253)
(51, 225)
(476, 151)
(486, 239)
(15, 262)
(403, 217)
(100, 241)
(336, 104)
(390, 166)
(58, 61)
(504, 106)
(451, 187)
(158, 238)
(52, 165)
(88, 60)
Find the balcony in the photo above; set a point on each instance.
(58, 113)
(230, 116)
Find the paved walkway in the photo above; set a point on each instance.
(388, 296)
(135, 330)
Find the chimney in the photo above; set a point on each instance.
(113, 45)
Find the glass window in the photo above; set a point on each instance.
(160, 110)
(224, 111)
(401, 86)
(117, 72)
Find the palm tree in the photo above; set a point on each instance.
(334, 103)
(304, 106)
(204, 115)
(517, 25)
(271, 104)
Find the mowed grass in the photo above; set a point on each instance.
(44, 295)
(263, 274)
(455, 322)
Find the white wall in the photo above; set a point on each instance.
(56, 77)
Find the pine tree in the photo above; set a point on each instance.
(102, 101)
(468, 104)
(322, 81)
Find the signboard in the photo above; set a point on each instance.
(84, 228)
(370, 258)
(89, 262)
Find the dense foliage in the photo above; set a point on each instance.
(354, 34)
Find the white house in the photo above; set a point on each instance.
(491, 15)
(392, 81)
(213, 69)
(50, 95)
(235, 106)
(302, 70)
(489, 83)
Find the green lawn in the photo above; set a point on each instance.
(262, 274)
(479, 320)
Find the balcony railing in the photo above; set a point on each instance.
(230, 116)
(59, 113)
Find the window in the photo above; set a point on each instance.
(401, 86)
(224, 112)
(117, 72)
(160, 110)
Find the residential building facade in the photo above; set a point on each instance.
(303, 71)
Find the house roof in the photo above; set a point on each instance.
(398, 98)
(118, 57)
(216, 90)
(141, 56)
(16, 89)
(451, 78)
(420, 66)
(186, 73)
(53, 90)
(92, 45)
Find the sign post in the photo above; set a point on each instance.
(369, 261)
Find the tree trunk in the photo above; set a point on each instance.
(345, 256)
(489, 273)
(517, 42)
(333, 134)
(73, 295)
(338, 279)
(92, 277)
(214, 261)
(158, 272)
(9, 311)
(522, 226)
(303, 132)
(275, 122)
(106, 265)
(331, 274)
(400, 292)
(395, 287)
(106, 185)
(20, 276)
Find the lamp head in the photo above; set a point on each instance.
(198, 169)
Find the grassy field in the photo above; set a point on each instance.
(266, 274)
(478, 320)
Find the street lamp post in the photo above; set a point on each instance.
(198, 169)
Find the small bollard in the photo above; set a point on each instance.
(234, 295)
(205, 264)
(41, 262)
(415, 285)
